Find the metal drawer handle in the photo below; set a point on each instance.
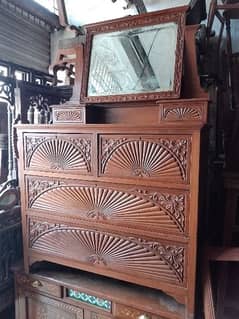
(36, 284)
(144, 316)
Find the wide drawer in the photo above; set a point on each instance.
(122, 255)
(134, 207)
(68, 153)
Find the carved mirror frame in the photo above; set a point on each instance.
(176, 15)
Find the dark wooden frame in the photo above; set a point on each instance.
(221, 254)
(170, 15)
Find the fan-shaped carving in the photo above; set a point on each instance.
(183, 113)
(121, 254)
(58, 154)
(108, 204)
(143, 159)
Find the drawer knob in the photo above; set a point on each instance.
(36, 284)
(144, 316)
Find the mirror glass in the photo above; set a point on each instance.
(133, 61)
(136, 58)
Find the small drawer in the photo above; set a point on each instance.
(145, 157)
(125, 312)
(66, 153)
(39, 285)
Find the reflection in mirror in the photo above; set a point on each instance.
(133, 61)
(3, 142)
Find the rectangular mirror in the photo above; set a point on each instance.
(134, 58)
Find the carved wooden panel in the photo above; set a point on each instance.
(94, 315)
(68, 115)
(188, 111)
(131, 207)
(126, 312)
(119, 253)
(62, 152)
(40, 307)
(145, 157)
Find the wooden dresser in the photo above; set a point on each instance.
(119, 200)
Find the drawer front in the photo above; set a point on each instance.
(68, 153)
(125, 312)
(38, 285)
(98, 251)
(146, 157)
(42, 307)
(149, 209)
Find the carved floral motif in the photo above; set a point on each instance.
(172, 255)
(35, 187)
(174, 204)
(85, 146)
(179, 149)
(109, 145)
(132, 313)
(36, 229)
(31, 143)
(68, 116)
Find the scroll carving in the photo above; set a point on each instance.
(36, 187)
(31, 144)
(108, 146)
(174, 204)
(36, 229)
(172, 255)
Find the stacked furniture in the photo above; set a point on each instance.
(118, 199)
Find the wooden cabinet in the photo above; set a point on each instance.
(119, 201)
(120, 198)
(70, 294)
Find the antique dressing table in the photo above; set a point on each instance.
(112, 186)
